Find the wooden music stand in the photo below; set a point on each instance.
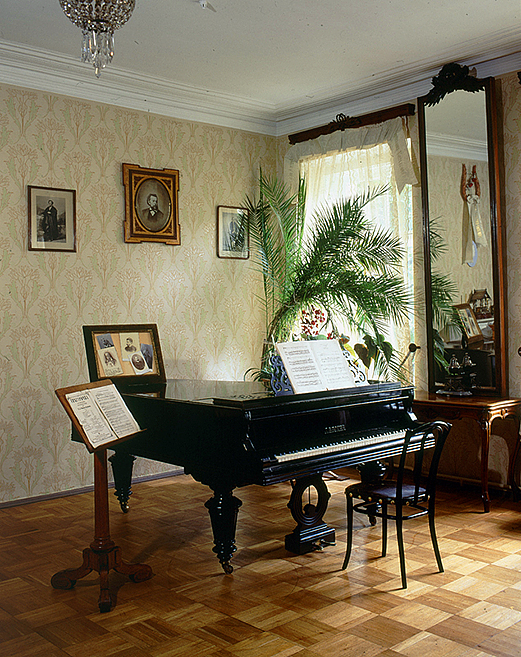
(103, 555)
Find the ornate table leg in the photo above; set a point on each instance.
(102, 555)
(485, 426)
(516, 492)
(311, 532)
(223, 508)
(122, 465)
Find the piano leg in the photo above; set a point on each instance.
(311, 532)
(122, 465)
(223, 508)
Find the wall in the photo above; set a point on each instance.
(511, 102)
(209, 320)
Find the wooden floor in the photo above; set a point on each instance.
(274, 603)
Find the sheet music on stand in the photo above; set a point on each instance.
(99, 413)
(316, 365)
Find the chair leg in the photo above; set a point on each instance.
(349, 504)
(384, 528)
(401, 550)
(434, 538)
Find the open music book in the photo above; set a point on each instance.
(315, 365)
(99, 413)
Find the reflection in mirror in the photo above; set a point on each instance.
(464, 296)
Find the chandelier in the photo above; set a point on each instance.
(98, 20)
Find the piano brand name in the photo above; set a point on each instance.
(335, 428)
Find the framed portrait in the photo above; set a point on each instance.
(151, 205)
(125, 353)
(232, 233)
(52, 219)
(469, 323)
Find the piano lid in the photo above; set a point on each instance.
(357, 394)
(254, 393)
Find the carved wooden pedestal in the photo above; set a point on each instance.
(103, 555)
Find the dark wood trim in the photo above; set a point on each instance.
(343, 122)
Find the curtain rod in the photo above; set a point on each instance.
(343, 122)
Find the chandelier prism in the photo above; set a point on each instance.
(98, 20)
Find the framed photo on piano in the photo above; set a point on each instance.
(124, 353)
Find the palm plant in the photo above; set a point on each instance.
(343, 264)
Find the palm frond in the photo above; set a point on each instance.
(345, 264)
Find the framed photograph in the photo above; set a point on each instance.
(151, 205)
(232, 233)
(469, 323)
(52, 219)
(125, 353)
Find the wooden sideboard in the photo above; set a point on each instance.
(484, 411)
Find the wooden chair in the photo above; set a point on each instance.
(410, 500)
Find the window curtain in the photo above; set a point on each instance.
(392, 132)
(351, 162)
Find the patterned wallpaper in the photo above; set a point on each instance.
(207, 313)
(511, 101)
(209, 320)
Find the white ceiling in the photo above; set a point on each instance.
(272, 66)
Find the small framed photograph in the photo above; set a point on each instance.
(151, 205)
(52, 219)
(127, 353)
(469, 323)
(232, 233)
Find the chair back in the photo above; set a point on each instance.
(433, 431)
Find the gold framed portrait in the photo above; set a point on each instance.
(151, 204)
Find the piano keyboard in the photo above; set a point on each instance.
(341, 446)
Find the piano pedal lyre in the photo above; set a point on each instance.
(311, 533)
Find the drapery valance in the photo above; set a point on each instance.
(392, 132)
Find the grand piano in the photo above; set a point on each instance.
(232, 434)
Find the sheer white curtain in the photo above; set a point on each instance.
(356, 169)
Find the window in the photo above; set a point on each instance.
(353, 172)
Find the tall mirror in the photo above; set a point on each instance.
(463, 240)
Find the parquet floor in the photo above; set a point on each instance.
(275, 604)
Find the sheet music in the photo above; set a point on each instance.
(301, 367)
(115, 410)
(315, 365)
(333, 365)
(102, 414)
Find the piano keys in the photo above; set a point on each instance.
(232, 434)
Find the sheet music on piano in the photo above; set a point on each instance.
(315, 365)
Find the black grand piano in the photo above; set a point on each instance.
(232, 434)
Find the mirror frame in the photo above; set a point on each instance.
(454, 77)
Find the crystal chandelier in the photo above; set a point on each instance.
(98, 20)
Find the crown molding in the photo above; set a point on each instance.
(32, 68)
(39, 70)
(386, 90)
(457, 147)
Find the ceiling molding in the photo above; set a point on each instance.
(457, 147)
(32, 68)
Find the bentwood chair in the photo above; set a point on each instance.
(408, 500)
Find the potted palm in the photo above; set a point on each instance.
(343, 265)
